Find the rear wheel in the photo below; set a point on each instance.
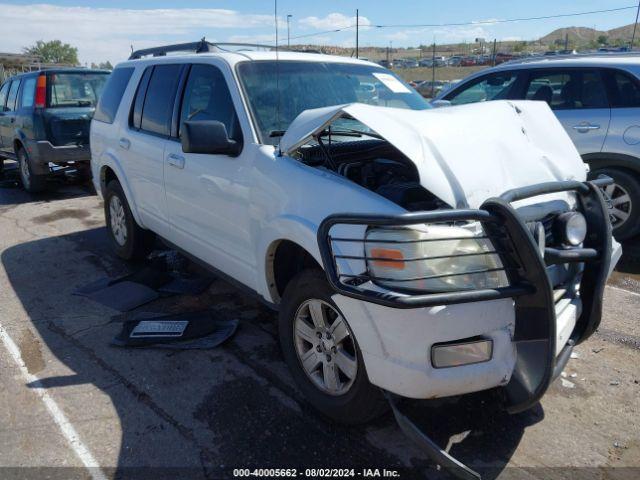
(623, 198)
(323, 354)
(30, 182)
(128, 240)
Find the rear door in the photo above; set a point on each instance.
(578, 98)
(4, 92)
(8, 118)
(143, 142)
(71, 101)
(624, 129)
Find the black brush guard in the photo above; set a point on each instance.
(524, 265)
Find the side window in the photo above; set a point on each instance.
(492, 87)
(626, 92)
(4, 91)
(13, 96)
(564, 90)
(138, 101)
(207, 97)
(158, 102)
(28, 93)
(113, 91)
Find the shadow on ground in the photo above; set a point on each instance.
(200, 414)
(58, 188)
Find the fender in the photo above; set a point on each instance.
(109, 160)
(603, 159)
(293, 228)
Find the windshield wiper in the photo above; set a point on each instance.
(347, 132)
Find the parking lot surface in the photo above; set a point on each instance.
(71, 400)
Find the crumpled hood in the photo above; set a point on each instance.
(464, 154)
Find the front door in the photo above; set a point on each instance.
(208, 195)
(579, 100)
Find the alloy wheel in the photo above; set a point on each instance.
(118, 220)
(325, 347)
(619, 202)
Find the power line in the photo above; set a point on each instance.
(462, 24)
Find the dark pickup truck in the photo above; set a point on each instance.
(44, 122)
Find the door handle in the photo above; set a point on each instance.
(585, 127)
(176, 160)
(124, 143)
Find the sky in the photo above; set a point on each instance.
(106, 30)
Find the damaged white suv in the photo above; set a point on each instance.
(410, 251)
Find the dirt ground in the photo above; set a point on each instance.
(70, 399)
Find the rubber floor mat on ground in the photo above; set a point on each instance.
(184, 331)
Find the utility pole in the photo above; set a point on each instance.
(357, 29)
(566, 41)
(633, 37)
(288, 36)
(494, 52)
(433, 69)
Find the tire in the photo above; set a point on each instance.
(128, 240)
(354, 400)
(625, 191)
(30, 182)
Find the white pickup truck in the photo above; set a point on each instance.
(410, 251)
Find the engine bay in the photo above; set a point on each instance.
(377, 166)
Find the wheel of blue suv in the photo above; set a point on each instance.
(623, 198)
(323, 354)
(128, 240)
(30, 182)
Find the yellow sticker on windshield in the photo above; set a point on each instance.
(392, 83)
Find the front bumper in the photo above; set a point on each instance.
(521, 319)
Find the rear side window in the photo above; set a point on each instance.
(625, 91)
(4, 91)
(157, 108)
(75, 89)
(28, 93)
(568, 90)
(112, 94)
(13, 96)
(492, 87)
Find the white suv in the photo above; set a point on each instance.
(427, 253)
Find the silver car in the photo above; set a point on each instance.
(596, 98)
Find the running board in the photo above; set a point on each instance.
(428, 446)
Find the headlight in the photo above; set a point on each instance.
(571, 228)
(433, 258)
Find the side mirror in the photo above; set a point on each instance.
(440, 103)
(209, 137)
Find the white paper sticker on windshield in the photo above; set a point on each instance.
(392, 83)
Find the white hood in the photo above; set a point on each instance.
(464, 154)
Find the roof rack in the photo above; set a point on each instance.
(580, 55)
(198, 47)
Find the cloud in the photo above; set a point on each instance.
(332, 21)
(107, 33)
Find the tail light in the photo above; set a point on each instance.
(41, 92)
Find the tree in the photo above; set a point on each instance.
(602, 39)
(54, 52)
(102, 65)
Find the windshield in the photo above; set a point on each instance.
(75, 89)
(305, 85)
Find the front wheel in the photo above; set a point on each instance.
(128, 240)
(623, 198)
(323, 354)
